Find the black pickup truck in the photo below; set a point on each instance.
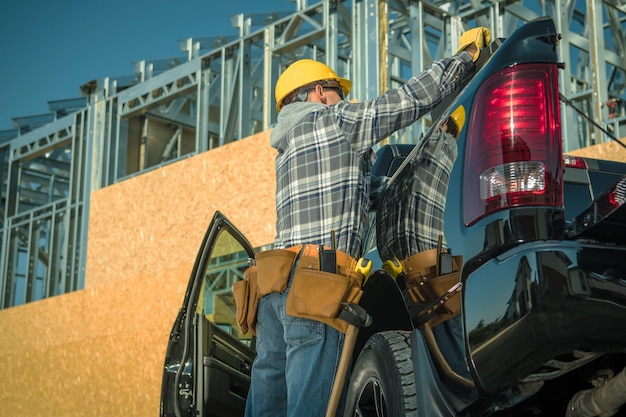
(541, 240)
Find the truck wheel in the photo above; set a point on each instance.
(382, 382)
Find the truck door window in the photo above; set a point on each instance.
(225, 267)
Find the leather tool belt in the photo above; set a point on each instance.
(425, 285)
(314, 294)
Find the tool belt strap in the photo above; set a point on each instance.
(275, 266)
(309, 257)
(420, 264)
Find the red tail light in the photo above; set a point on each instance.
(574, 162)
(513, 156)
(615, 198)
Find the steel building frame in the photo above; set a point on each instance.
(221, 89)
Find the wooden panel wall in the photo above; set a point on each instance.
(100, 351)
(612, 151)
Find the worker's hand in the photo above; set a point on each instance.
(474, 40)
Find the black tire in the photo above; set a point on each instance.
(382, 382)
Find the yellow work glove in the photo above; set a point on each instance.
(479, 36)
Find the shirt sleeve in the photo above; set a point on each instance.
(367, 123)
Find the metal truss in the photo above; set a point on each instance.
(220, 89)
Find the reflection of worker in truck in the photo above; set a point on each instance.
(322, 173)
(410, 231)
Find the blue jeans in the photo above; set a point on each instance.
(293, 372)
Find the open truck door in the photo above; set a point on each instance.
(208, 361)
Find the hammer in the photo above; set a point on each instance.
(356, 317)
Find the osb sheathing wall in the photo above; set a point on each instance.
(100, 351)
(612, 151)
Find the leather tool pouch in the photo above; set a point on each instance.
(317, 295)
(425, 286)
(270, 274)
(274, 267)
(246, 301)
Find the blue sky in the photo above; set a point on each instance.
(48, 49)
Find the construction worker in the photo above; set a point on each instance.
(322, 198)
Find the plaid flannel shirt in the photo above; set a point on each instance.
(324, 156)
(410, 215)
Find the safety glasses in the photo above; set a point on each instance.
(302, 95)
(337, 90)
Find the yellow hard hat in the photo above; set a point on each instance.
(304, 72)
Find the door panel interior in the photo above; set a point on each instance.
(226, 366)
